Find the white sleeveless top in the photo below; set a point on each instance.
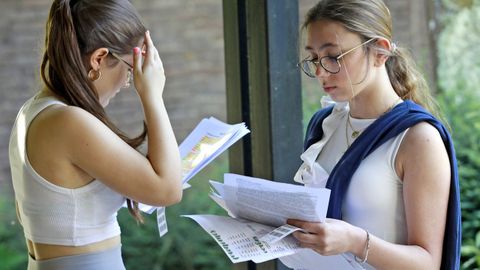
(52, 214)
(374, 199)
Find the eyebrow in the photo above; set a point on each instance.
(324, 46)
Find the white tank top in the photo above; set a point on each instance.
(374, 199)
(52, 214)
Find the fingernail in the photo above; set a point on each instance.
(136, 50)
(148, 32)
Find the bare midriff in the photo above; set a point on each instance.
(46, 251)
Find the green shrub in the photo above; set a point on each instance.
(459, 79)
(186, 245)
(13, 251)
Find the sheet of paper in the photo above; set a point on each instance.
(209, 139)
(217, 188)
(272, 203)
(279, 233)
(307, 259)
(239, 239)
(219, 200)
(256, 207)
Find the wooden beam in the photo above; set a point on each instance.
(264, 90)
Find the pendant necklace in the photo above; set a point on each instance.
(356, 133)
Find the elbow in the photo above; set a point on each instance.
(168, 198)
(175, 196)
(172, 195)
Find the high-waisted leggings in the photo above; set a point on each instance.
(110, 259)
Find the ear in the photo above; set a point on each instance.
(97, 57)
(380, 56)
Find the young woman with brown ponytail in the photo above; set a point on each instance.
(390, 164)
(72, 168)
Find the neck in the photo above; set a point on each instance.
(45, 92)
(375, 99)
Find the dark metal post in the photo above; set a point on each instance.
(264, 90)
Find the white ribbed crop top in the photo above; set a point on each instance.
(52, 214)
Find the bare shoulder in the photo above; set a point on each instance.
(422, 150)
(59, 129)
(53, 139)
(69, 121)
(422, 135)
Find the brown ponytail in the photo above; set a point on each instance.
(407, 81)
(372, 19)
(76, 28)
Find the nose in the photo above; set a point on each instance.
(321, 72)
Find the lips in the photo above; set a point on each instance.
(328, 88)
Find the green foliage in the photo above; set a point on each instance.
(458, 50)
(186, 245)
(459, 78)
(456, 5)
(471, 250)
(13, 253)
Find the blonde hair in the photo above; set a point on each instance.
(372, 19)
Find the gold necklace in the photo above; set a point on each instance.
(356, 133)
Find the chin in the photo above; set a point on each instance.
(339, 99)
(104, 102)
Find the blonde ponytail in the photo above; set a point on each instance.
(407, 81)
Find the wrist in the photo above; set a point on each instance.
(358, 237)
(361, 255)
(151, 100)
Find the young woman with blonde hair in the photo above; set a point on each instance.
(390, 164)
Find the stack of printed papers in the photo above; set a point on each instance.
(209, 139)
(256, 229)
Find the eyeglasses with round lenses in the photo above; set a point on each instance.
(329, 63)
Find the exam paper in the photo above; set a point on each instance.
(256, 229)
(272, 203)
(279, 233)
(210, 138)
(239, 238)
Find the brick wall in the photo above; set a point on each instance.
(189, 37)
(187, 33)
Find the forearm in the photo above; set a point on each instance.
(386, 255)
(163, 151)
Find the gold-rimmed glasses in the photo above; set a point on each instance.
(330, 63)
(121, 59)
(130, 69)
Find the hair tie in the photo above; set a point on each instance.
(394, 47)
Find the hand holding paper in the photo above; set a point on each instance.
(257, 207)
(210, 138)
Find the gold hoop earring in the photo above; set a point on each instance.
(94, 75)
